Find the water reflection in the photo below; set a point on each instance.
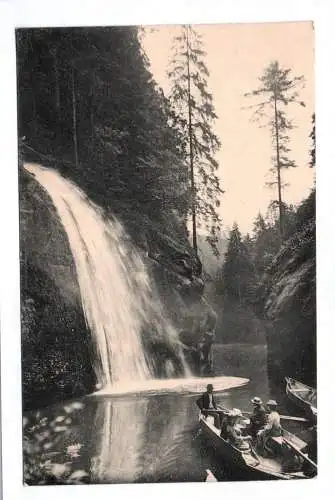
(144, 440)
(120, 429)
(168, 432)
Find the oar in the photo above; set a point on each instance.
(284, 417)
(217, 410)
(305, 457)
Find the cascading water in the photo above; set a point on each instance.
(116, 292)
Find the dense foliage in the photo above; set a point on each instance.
(237, 272)
(234, 291)
(265, 241)
(88, 105)
(239, 284)
(49, 453)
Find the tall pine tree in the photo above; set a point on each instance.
(194, 115)
(277, 90)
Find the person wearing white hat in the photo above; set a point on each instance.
(233, 431)
(273, 426)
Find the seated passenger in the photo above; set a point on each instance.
(233, 431)
(224, 424)
(207, 405)
(258, 417)
(207, 400)
(272, 427)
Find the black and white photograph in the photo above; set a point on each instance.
(167, 253)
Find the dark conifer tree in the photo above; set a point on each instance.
(237, 272)
(277, 90)
(194, 115)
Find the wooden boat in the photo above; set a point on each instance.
(247, 463)
(303, 397)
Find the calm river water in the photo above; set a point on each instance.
(154, 438)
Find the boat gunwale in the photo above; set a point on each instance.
(291, 392)
(260, 467)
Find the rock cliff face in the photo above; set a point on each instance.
(56, 349)
(56, 344)
(289, 303)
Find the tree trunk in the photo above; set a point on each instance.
(74, 120)
(193, 189)
(281, 215)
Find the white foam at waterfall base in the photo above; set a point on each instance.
(117, 295)
(177, 385)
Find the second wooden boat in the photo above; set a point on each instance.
(303, 397)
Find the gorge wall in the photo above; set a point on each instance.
(289, 302)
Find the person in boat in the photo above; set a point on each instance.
(207, 402)
(232, 431)
(258, 418)
(272, 428)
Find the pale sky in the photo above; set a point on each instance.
(236, 56)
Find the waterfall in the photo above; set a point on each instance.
(116, 291)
